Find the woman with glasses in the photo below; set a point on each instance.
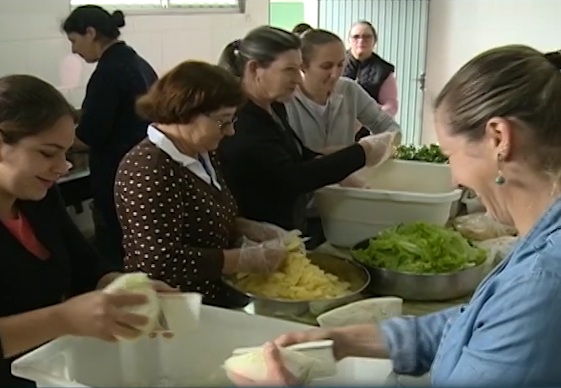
(374, 74)
(179, 220)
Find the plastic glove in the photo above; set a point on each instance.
(380, 147)
(265, 257)
(354, 181)
(259, 231)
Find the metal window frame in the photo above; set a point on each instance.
(166, 7)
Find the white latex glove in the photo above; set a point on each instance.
(259, 231)
(265, 257)
(380, 147)
(354, 181)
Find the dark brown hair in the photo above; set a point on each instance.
(105, 24)
(29, 106)
(367, 24)
(514, 82)
(262, 44)
(190, 89)
(313, 38)
(300, 28)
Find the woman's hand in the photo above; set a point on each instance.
(348, 341)
(259, 231)
(354, 181)
(100, 315)
(277, 374)
(265, 257)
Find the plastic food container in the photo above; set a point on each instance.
(191, 358)
(400, 191)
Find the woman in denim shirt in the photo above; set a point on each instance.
(498, 119)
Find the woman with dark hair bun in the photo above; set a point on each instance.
(109, 126)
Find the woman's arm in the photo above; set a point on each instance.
(388, 96)
(98, 108)
(411, 343)
(21, 332)
(370, 114)
(257, 155)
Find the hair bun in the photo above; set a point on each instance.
(118, 18)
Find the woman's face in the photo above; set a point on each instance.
(85, 45)
(325, 66)
(206, 131)
(362, 40)
(29, 168)
(475, 164)
(279, 80)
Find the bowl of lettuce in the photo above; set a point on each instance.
(420, 261)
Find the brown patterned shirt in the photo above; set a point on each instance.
(175, 225)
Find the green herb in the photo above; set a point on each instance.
(427, 153)
(421, 247)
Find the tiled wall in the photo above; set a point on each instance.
(31, 41)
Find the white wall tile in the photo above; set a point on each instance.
(31, 40)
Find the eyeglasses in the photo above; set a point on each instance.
(222, 124)
(363, 37)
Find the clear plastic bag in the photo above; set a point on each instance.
(498, 248)
(481, 227)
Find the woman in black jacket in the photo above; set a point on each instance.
(270, 172)
(48, 272)
(109, 125)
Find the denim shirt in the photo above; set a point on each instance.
(509, 334)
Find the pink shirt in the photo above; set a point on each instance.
(388, 96)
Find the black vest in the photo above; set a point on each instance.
(370, 73)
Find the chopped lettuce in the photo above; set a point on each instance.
(421, 247)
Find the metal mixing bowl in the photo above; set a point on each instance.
(422, 287)
(349, 271)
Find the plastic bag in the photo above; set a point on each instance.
(481, 227)
(498, 248)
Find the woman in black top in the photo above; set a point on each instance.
(108, 125)
(48, 271)
(269, 171)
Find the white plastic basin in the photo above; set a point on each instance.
(193, 358)
(400, 191)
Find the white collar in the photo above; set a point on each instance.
(160, 140)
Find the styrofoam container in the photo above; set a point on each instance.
(190, 358)
(400, 191)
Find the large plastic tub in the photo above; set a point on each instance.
(193, 358)
(400, 191)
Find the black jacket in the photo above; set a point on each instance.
(109, 124)
(28, 283)
(269, 171)
(370, 73)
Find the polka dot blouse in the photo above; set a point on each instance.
(175, 225)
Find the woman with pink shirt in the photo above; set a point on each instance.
(374, 74)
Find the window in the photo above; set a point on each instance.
(151, 6)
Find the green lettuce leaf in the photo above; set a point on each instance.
(421, 247)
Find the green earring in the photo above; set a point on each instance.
(500, 180)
